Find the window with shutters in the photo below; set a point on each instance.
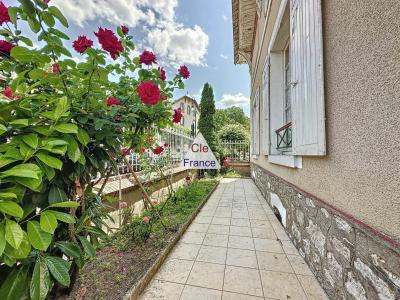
(295, 114)
(256, 123)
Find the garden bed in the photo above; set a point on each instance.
(125, 258)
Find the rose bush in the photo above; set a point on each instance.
(61, 124)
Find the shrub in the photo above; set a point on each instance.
(233, 132)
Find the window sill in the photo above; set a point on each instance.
(291, 161)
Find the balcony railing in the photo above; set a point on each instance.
(284, 137)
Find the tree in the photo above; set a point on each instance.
(231, 115)
(206, 120)
(233, 132)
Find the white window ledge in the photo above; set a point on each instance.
(291, 161)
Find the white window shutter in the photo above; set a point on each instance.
(307, 78)
(256, 123)
(265, 117)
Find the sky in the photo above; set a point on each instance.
(191, 32)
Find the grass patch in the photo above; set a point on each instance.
(124, 257)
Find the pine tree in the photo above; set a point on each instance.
(206, 120)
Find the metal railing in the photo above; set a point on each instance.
(236, 150)
(284, 137)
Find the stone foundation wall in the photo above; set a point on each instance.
(350, 260)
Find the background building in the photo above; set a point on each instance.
(325, 133)
(191, 112)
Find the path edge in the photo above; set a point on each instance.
(139, 287)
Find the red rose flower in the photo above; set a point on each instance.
(56, 68)
(177, 117)
(188, 178)
(6, 47)
(82, 43)
(125, 151)
(163, 75)
(124, 29)
(8, 93)
(147, 58)
(142, 150)
(166, 145)
(148, 92)
(109, 42)
(184, 72)
(146, 220)
(113, 101)
(46, 1)
(4, 16)
(158, 150)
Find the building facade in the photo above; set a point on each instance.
(325, 105)
(191, 112)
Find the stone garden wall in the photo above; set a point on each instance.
(350, 260)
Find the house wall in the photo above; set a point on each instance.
(188, 118)
(343, 209)
(360, 173)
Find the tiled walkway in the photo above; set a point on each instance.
(235, 249)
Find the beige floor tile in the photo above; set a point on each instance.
(264, 233)
(289, 248)
(218, 240)
(235, 296)
(162, 290)
(175, 270)
(260, 223)
(198, 293)
(268, 245)
(193, 237)
(212, 254)
(226, 213)
(312, 287)
(299, 265)
(198, 227)
(207, 275)
(240, 222)
(240, 215)
(260, 215)
(241, 258)
(241, 242)
(241, 231)
(218, 229)
(185, 251)
(273, 262)
(279, 285)
(242, 280)
(202, 220)
(221, 221)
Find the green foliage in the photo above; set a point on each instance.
(206, 120)
(233, 132)
(56, 135)
(231, 115)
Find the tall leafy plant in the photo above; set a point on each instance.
(62, 127)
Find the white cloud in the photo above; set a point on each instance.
(223, 56)
(118, 12)
(174, 43)
(224, 17)
(239, 100)
(179, 44)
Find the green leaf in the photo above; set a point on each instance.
(57, 13)
(67, 204)
(41, 281)
(34, 24)
(48, 19)
(12, 12)
(2, 238)
(14, 286)
(27, 6)
(69, 249)
(48, 222)
(61, 108)
(50, 173)
(83, 137)
(66, 128)
(23, 170)
(31, 140)
(57, 195)
(87, 246)
(23, 250)
(11, 208)
(8, 195)
(20, 122)
(37, 237)
(31, 183)
(2, 129)
(63, 217)
(26, 151)
(59, 269)
(73, 149)
(59, 33)
(50, 160)
(22, 54)
(14, 234)
(27, 41)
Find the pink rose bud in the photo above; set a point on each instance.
(123, 205)
(146, 220)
